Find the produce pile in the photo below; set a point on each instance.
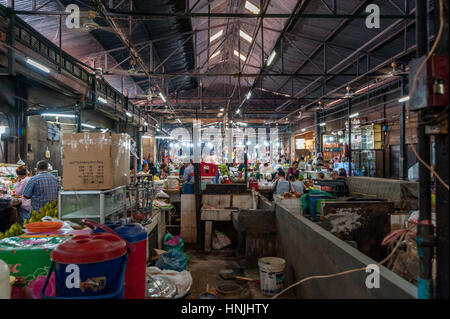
(50, 209)
(13, 231)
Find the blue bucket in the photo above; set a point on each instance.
(313, 203)
(187, 188)
(89, 267)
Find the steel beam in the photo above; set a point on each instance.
(182, 15)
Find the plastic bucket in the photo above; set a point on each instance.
(89, 267)
(313, 202)
(187, 188)
(271, 274)
(135, 274)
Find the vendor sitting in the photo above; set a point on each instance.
(293, 170)
(22, 181)
(296, 185)
(342, 173)
(334, 175)
(281, 186)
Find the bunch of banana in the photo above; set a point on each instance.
(13, 231)
(50, 209)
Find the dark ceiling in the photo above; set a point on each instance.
(306, 47)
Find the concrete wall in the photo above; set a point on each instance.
(311, 250)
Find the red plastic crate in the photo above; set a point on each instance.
(208, 169)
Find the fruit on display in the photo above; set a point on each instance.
(50, 209)
(13, 231)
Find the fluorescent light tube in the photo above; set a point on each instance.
(88, 125)
(354, 115)
(323, 124)
(38, 65)
(104, 101)
(404, 99)
(59, 115)
(129, 114)
(162, 97)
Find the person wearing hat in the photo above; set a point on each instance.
(19, 187)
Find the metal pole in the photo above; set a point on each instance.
(318, 138)
(442, 160)
(425, 229)
(349, 102)
(403, 155)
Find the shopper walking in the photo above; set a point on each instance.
(19, 187)
(41, 188)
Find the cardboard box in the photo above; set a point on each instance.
(28, 258)
(95, 161)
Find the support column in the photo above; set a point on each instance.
(425, 230)
(349, 104)
(403, 154)
(318, 137)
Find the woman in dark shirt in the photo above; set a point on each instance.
(293, 170)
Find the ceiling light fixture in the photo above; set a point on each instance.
(322, 124)
(128, 114)
(249, 95)
(38, 65)
(104, 101)
(88, 125)
(162, 97)
(58, 115)
(404, 99)
(354, 115)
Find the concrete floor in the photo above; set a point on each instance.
(205, 268)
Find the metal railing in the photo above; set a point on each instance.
(29, 37)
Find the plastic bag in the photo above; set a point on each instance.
(173, 260)
(182, 280)
(171, 242)
(220, 240)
